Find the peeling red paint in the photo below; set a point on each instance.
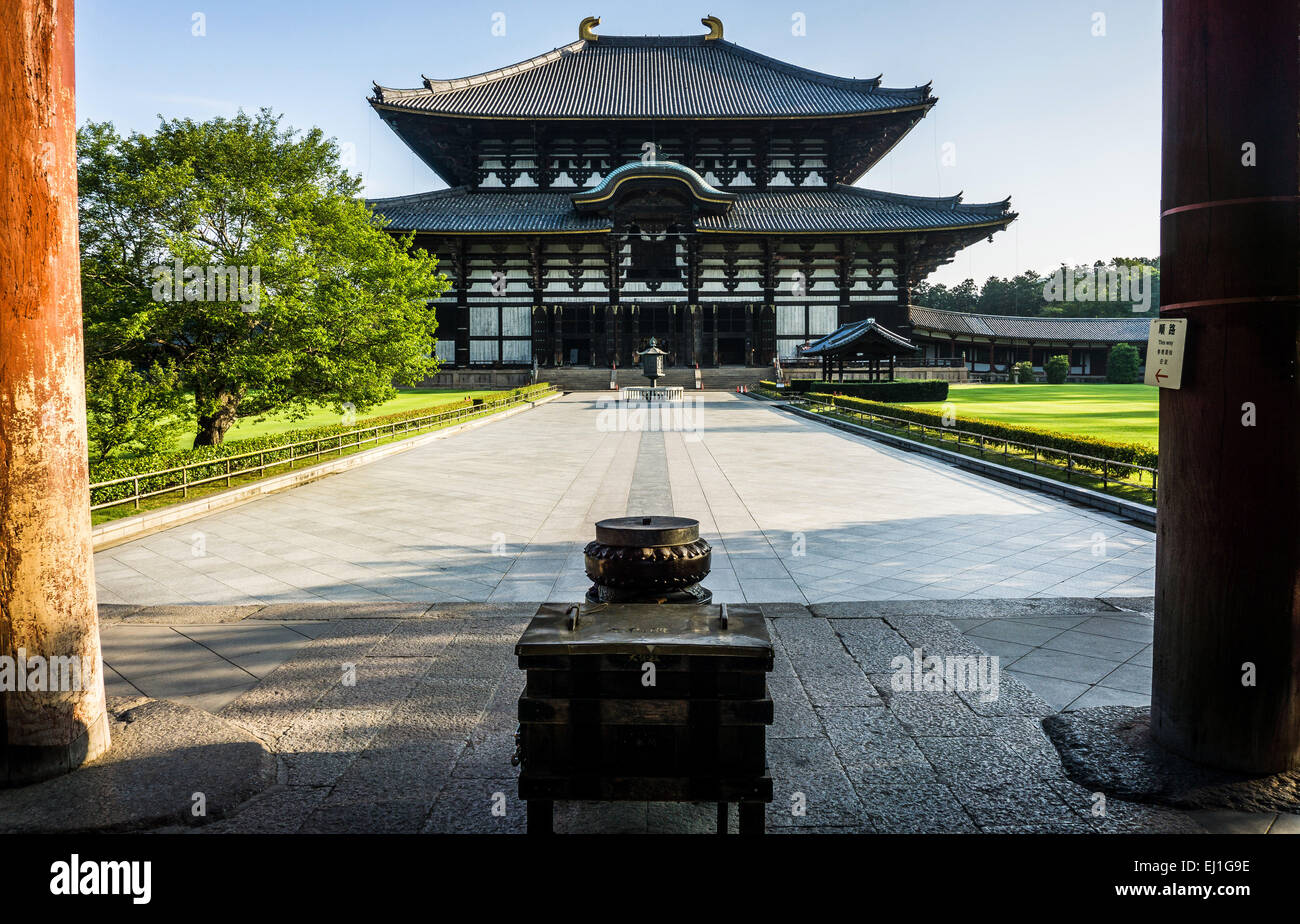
(47, 597)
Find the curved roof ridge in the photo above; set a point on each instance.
(953, 202)
(636, 165)
(498, 73)
(852, 83)
(846, 335)
(635, 169)
(917, 94)
(451, 84)
(421, 196)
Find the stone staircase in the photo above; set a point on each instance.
(723, 378)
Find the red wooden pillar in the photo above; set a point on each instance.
(47, 588)
(1226, 686)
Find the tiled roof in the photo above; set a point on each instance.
(460, 210)
(652, 77)
(1079, 330)
(829, 209)
(856, 335)
(849, 208)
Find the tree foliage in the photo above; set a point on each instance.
(291, 294)
(131, 411)
(1025, 295)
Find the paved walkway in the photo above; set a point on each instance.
(1074, 661)
(796, 512)
(421, 739)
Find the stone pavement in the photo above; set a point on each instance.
(796, 511)
(1076, 660)
(421, 741)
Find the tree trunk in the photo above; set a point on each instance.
(47, 586)
(213, 427)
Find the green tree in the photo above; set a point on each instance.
(289, 295)
(1122, 364)
(965, 296)
(132, 412)
(1057, 369)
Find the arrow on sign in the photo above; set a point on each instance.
(1160, 374)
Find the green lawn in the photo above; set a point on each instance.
(406, 400)
(1124, 413)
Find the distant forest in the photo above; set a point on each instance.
(1088, 292)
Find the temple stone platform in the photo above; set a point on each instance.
(400, 718)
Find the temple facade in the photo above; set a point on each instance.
(684, 188)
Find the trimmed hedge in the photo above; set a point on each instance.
(1132, 453)
(1122, 364)
(903, 390)
(274, 445)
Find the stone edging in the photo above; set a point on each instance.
(992, 608)
(115, 532)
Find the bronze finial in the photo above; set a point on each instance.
(715, 27)
(585, 27)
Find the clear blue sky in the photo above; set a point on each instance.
(1035, 105)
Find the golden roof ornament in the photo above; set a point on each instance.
(715, 27)
(585, 27)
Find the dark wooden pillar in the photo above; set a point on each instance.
(47, 584)
(714, 308)
(696, 334)
(462, 274)
(749, 334)
(1226, 685)
(611, 335)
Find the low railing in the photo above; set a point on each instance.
(1072, 464)
(651, 393)
(924, 362)
(179, 479)
(901, 362)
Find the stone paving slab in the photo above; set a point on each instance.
(401, 719)
(453, 521)
(1073, 661)
(417, 735)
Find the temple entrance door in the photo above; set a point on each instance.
(575, 342)
(731, 350)
(665, 325)
(731, 335)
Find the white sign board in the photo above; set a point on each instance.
(1165, 352)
